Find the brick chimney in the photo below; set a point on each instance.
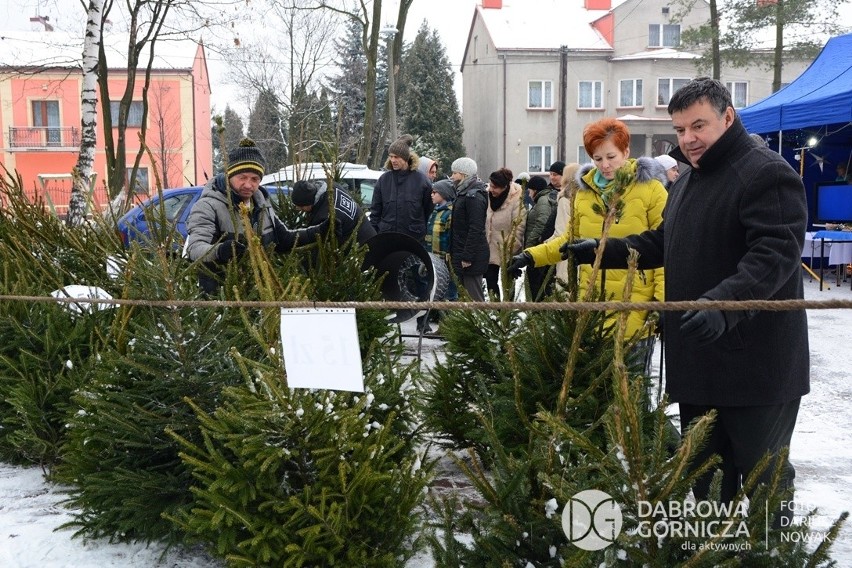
(496, 4)
(597, 4)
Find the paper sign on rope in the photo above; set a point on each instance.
(320, 348)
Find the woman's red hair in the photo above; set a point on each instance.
(606, 128)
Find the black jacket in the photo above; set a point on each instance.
(348, 215)
(732, 230)
(469, 241)
(402, 201)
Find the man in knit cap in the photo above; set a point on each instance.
(313, 199)
(231, 205)
(402, 199)
(469, 251)
(555, 172)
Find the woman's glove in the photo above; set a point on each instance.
(518, 262)
(582, 249)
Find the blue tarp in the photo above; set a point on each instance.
(821, 95)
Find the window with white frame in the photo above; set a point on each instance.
(630, 93)
(663, 35)
(666, 88)
(582, 156)
(540, 94)
(539, 158)
(590, 94)
(134, 113)
(739, 93)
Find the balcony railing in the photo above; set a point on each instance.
(43, 138)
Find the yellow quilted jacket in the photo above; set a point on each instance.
(644, 200)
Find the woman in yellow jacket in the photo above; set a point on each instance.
(607, 141)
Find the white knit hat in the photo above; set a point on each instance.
(465, 166)
(667, 161)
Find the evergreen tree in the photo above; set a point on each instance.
(311, 126)
(427, 102)
(230, 133)
(268, 128)
(763, 32)
(347, 90)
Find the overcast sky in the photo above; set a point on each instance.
(450, 17)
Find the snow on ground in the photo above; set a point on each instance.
(30, 509)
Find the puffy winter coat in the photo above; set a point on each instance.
(402, 201)
(643, 203)
(439, 232)
(540, 217)
(468, 241)
(215, 217)
(507, 222)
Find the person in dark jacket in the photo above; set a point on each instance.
(312, 198)
(541, 221)
(402, 199)
(469, 249)
(555, 172)
(216, 231)
(733, 229)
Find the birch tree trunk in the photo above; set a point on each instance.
(89, 117)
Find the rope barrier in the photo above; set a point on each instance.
(724, 305)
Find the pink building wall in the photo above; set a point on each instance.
(178, 129)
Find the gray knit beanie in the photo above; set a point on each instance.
(401, 147)
(465, 166)
(445, 188)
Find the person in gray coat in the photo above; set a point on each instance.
(733, 229)
(216, 232)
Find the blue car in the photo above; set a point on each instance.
(137, 224)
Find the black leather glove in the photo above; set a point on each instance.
(287, 239)
(582, 249)
(518, 262)
(229, 249)
(704, 326)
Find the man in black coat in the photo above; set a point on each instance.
(402, 198)
(733, 229)
(312, 198)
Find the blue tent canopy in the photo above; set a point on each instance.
(821, 95)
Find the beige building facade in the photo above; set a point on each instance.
(535, 72)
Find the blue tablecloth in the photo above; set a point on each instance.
(833, 235)
(841, 260)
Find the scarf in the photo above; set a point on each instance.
(498, 201)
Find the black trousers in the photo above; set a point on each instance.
(492, 280)
(741, 436)
(537, 278)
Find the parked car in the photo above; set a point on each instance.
(135, 225)
(357, 178)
